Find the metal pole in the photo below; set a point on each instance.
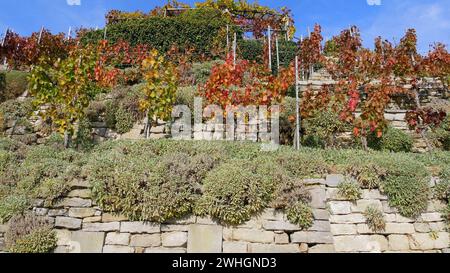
(297, 111)
(40, 35)
(69, 33)
(270, 48)
(228, 39)
(278, 53)
(234, 49)
(4, 37)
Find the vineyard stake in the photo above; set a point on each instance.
(40, 35)
(270, 48)
(297, 108)
(278, 53)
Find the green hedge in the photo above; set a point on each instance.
(199, 29)
(253, 50)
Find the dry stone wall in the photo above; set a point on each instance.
(339, 226)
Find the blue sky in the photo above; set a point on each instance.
(431, 18)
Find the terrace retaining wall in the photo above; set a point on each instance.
(339, 226)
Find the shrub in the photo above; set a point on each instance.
(322, 128)
(186, 96)
(441, 135)
(143, 186)
(393, 140)
(12, 84)
(233, 192)
(30, 234)
(300, 214)
(84, 138)
(202, 71)
(442, 191)
(349, 190)
(15, 111)
(11, 205)
(375, 219)
(251, 50)
(124, 121)
(406, 184)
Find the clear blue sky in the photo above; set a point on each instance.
(431, 18)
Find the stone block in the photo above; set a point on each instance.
(169, 228)
(140, 227)
(63, 237)
(373, 194)
(235, 247)
(205, 239)
(333, 180)
(280, 225)
(399, 228)
(94, 219)
(398, 242)
(75, 202)
(116, 238)
(318, 197)
(117, 249)
(272, 248)
(146, 240)
(87, 242)
(81, 212)
(253, 236)
(343, 229)
(320, 226)
(354, 218)
(431, 217)
(174, 239)
(340, 207)
(165, 250)
(114, 226)
(67, 222)
(281, 239)
(361, 243)
(81, 193)
(312, 237)
(57, 212)
(323, 248)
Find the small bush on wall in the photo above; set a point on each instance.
(393, 140)
(30, 234)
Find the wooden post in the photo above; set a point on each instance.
(270, 47)
(278, 53)
(297, 108)
(40, 35)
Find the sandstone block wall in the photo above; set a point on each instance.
(339, 226)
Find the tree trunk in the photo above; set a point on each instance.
(364, 143)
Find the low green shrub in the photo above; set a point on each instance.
(375, 219)
(202, 71)
(350, 190)
(11, 205)
(441, 135)
(234, 192)
(321, 130)
(300, 214)
(393, 140)
(30, 234)
(124, 121)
